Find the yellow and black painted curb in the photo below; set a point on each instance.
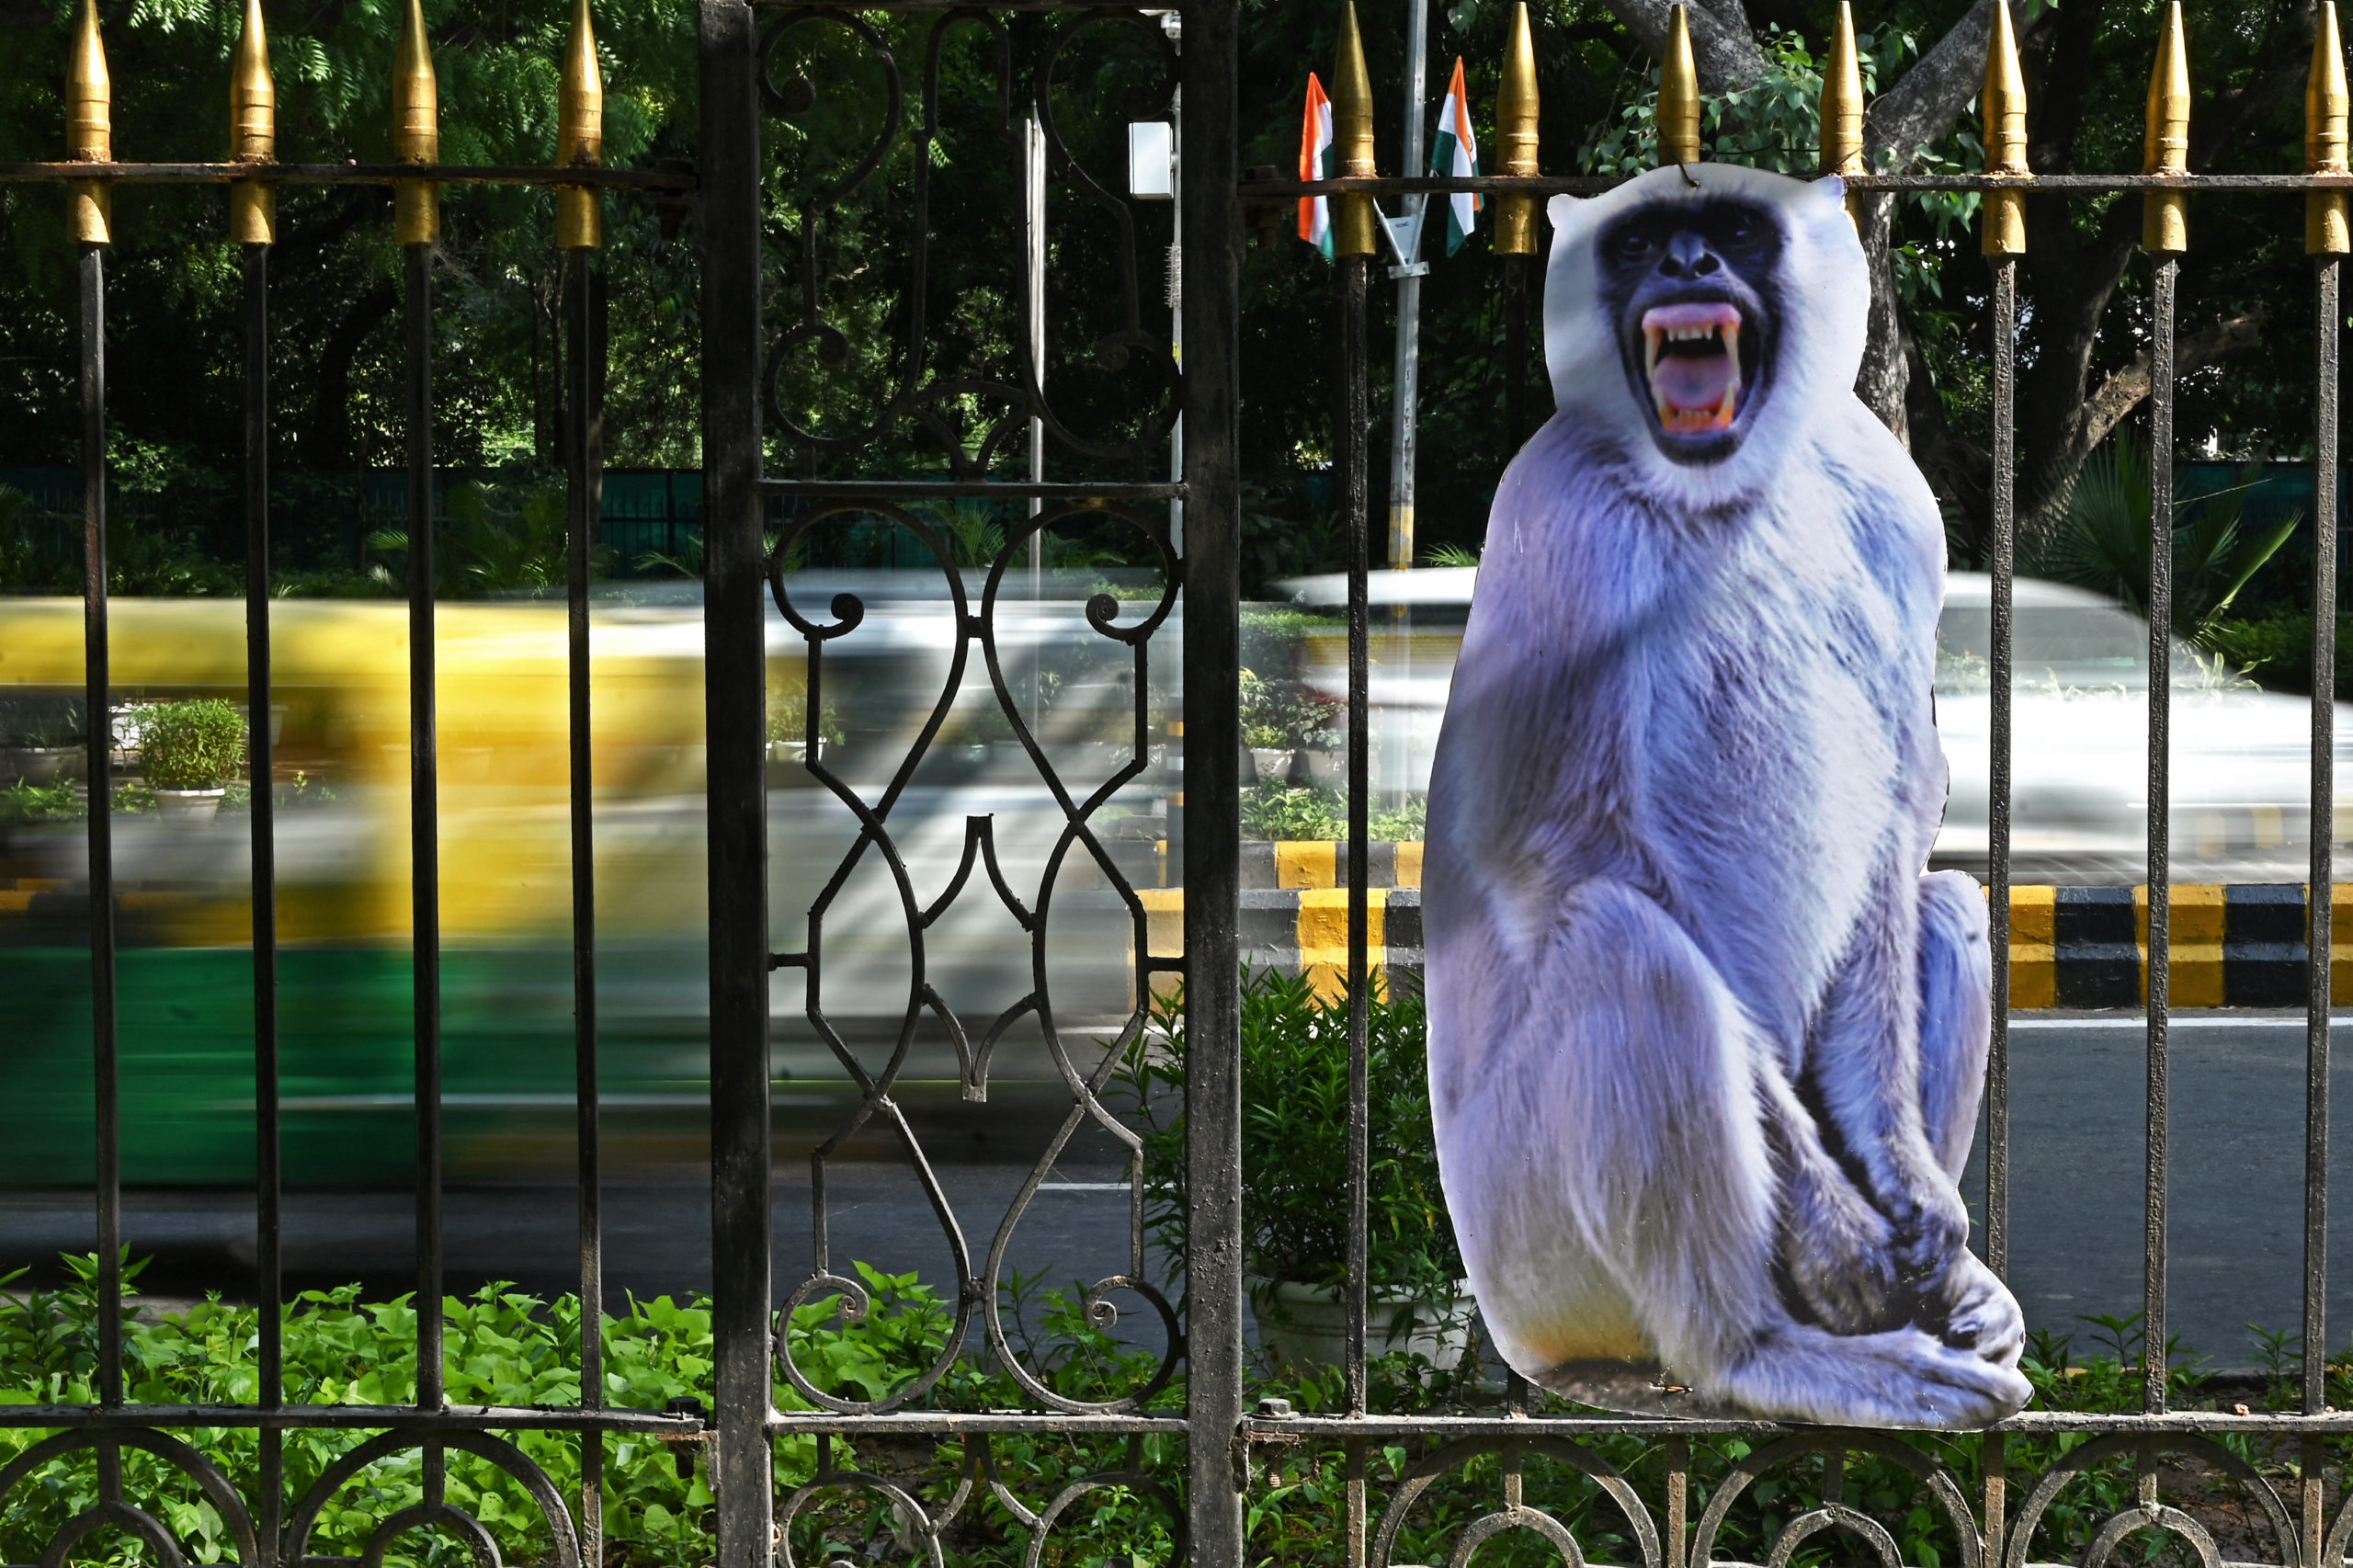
(2239, 945)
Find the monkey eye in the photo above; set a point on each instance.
(1745, 234)
(1633, 246)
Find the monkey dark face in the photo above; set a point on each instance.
(1692, 292)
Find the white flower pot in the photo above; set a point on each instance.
(188, 805)
(36, 765)
(1273, 764)
(1308, 1324)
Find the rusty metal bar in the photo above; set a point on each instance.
(2161, 347)
(1593, 185)
(425, 822)
(98, 725)
(2321, 832)
(585, 465)
(268, 1220)
(2004, 550)
(985, 489)
(1214, 1462)
(268, 174)
(734, 698)
(354, 1417)
(1355, 418)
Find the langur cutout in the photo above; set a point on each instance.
(1706, 1040)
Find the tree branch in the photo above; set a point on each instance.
(1925, 101)
(2127, 387)
(1722, 47)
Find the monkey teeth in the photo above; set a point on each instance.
(1692, 362)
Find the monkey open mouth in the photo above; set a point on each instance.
(1692, 358)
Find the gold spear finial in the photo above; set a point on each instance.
(580, 137)
(1352, 217)
(416, 130)
(1842, 103)
(1515, 111)
(2325, 104)
(2005, 107)
(2164, 214)
(1679, 92)
(89, 128)
(253, 132)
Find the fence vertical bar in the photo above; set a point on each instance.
(2161, 345)
(267, 1223)
(2003, 549)
(1212, 852)
(425, 823)
(1355, 522)
(98, 725)
(2319, 913)
(734, 721)
(585, 454)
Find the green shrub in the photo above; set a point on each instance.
(1281, 812)
(1294, 1137)
(2277, 649)
(40, 720)
(196, 745)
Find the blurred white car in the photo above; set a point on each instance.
(2240, 755)
(2079, 771)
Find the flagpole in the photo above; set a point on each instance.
(1403, 413)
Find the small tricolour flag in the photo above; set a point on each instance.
(1456, 154)
(1315, 162)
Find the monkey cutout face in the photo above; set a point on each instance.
(1694, 312)
(1693, 290)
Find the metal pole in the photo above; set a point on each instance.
(735, 722)
(1404, 413)
(1214, 1456)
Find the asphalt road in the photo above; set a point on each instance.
(2235, 1200)
(2077, 1127)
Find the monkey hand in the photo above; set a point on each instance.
(1956, 1297)
(1838, 1252)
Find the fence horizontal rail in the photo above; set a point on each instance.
(991, 489)
(2029, 1424)
(838, 1423)
(369, 1417)
(1593, 185)
(352, 173)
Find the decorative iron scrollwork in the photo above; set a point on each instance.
(1032, 911)
(1004, 400)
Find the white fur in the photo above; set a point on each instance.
(1687, 784)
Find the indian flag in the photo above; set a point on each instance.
(1456, 154)
(1315, 162)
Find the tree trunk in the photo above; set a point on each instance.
(331, 396)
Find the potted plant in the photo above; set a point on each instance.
(40, 738)
(1265, 731)
(1294, 1172)
(789, 727)
(191, 750)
